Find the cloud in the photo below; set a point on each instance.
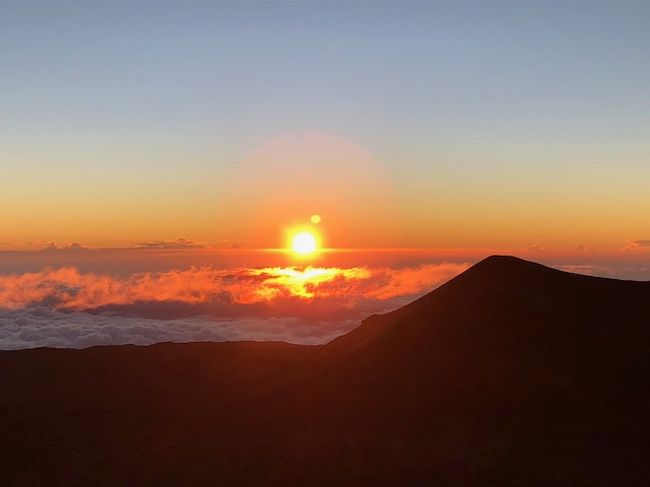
(70, 248)
(537, 248)
(413, 280)
(630, 271)
(40, 326)
(178, 244)
(68, 289)
(585, 269)
(637, 244)
(67, 308)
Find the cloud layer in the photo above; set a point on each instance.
(637, 244)
(177, 244)
(68, 289)
(39, 326)
(66, 308)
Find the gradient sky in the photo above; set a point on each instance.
(405, 125)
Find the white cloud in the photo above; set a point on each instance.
(40, 326)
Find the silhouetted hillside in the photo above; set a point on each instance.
(510, 374)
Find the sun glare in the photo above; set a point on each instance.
(304, 243)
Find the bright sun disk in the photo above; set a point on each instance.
(304, 243)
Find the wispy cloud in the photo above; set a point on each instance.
(177, 244)
(637, 244)
(585, 269)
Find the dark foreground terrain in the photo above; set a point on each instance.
(510, 374)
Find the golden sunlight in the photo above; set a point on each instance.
(303, 283)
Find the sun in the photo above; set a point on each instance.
(304, 243)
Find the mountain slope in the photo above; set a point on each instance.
(510, 373)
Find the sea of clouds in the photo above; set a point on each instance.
(41, 326)
(67, 308)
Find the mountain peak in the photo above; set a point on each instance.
(506, 262)
(506, 267)
(488, 291)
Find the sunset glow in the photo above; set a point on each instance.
(324, 242)
(242, 174)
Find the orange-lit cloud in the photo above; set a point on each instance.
(637, 244)
(176, 244)
(68, 289)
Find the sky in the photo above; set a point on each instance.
(417, 124)
(157, 159)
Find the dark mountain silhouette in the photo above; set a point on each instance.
(510, 374)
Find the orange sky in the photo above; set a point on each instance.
(365, 203)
